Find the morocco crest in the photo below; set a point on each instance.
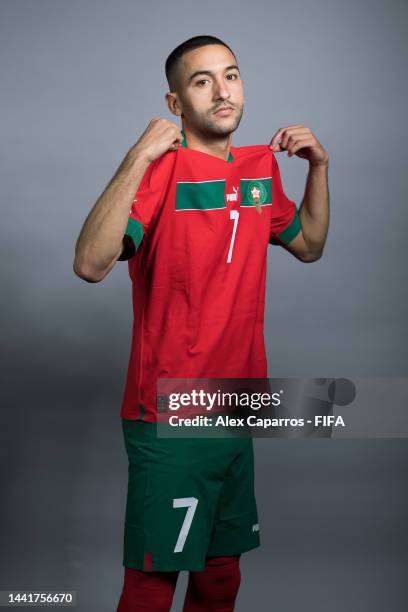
(257, 194)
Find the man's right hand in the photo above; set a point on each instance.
(159, 137)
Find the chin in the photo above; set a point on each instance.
(226, 128)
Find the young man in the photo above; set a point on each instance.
(193, 216)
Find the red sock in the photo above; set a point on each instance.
(144, 591)
(215, 589)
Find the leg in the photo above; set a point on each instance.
(143, 591)
(215, 589)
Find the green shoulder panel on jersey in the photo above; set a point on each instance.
(292, 230)
(134, 229)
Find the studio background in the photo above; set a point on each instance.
(80, 81)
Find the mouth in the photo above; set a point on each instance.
(224, 111)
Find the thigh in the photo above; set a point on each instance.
(236, 527)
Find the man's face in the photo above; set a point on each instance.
(209, 81)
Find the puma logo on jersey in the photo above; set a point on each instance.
(255, 527)
(233, 197)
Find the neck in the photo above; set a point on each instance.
(219, 147)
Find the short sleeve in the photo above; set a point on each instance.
(146, 202)
(285, 220)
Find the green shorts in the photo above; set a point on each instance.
(187, 498)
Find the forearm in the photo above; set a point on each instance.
(314, 209)
(100, 240)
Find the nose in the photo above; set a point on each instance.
(221, 91)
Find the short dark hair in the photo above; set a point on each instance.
(188, 45)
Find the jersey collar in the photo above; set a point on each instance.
(184, 144)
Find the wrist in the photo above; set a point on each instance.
(138, 156)
(322, 165)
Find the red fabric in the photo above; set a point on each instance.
(195, 314)
(148, 562)
(144, 591)
(215, 589)
(212, 590)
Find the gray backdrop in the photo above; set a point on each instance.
(80, 80)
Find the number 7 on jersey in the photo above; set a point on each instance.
(234, 214)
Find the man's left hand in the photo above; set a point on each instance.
(299, 140)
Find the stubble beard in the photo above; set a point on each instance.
(208, 126)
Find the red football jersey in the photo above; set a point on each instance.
(202, 226)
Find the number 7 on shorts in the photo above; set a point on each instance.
(191, 504)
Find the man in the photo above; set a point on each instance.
(193, 216)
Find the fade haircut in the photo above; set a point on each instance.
(192, 43)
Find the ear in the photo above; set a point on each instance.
(173, 104)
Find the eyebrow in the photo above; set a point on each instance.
(197, 72)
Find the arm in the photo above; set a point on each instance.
(101, 240)
(314, 216)
(314, 210)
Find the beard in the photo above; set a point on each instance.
(208, 126)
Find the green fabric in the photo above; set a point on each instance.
(213, 479)
(206, 195)
(134, 229)
(264, 185)
(292, 230)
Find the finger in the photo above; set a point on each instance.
(174, 145)
(299, 144)
(290, 134)
(178, 139)
(278, 135)
(302, 141)
(281, 146)
(288, 137)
